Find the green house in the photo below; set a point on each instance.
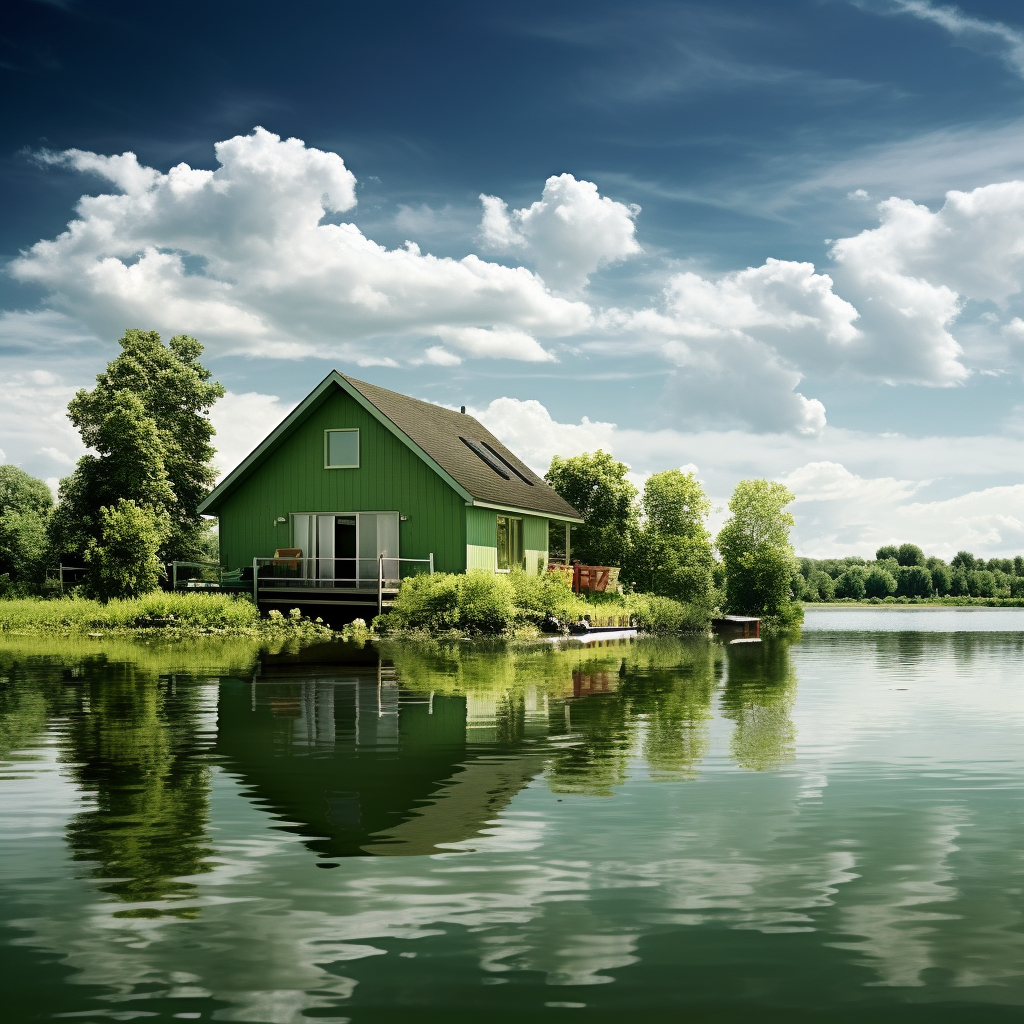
(360, 486)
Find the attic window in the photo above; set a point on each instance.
(341, 449)
(478, 449)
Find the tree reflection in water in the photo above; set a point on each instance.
(133, 741)
(759, 695)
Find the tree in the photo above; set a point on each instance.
(25, 508)
(124, 563)
(942, 578)
(914, 581)
(754, 543)
(596, 485)
(963, 560)
(672, 554)
(852, 584)
(910, 554)
(887, 551)
(147, 419)
(879, 582)
(820, 587)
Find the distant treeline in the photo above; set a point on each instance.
(906, 571)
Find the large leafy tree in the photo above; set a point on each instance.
(147, 420)
(25, 508)
(754, 544)
(672, 555)
(595, 484)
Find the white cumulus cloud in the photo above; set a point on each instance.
(909, 278)
(243, 258)
(739, 342)
(568, 233)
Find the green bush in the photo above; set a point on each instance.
(124, 563)
(489, 603)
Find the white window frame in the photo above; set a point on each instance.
(327, 446)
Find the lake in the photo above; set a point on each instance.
(828, 828)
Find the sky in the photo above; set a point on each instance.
(775, 240)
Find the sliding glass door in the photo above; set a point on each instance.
(344, 547)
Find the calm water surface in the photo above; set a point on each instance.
(828, 829)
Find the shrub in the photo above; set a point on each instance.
(483, 602)
(125, 563)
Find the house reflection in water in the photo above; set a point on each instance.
(346, 757)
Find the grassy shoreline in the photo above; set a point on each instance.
(167, 615)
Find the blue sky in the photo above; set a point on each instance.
(710, 235)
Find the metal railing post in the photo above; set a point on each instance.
(255, 584)
(380, 584)
(431, 563)
(61, 570)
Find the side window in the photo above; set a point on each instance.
(341, 449)
(510, 543)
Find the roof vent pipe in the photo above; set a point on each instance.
(463, 410)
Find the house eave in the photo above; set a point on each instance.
(521, 510)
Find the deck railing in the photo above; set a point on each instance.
(369, 574)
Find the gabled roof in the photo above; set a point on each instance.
(456, 446)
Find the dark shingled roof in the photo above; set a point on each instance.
(438, 431)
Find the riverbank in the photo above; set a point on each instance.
(919, 602)
(167, 615)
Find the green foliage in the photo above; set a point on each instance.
(482, 603)
(25, 508)
(146, 418)
(820, 587)
(672, 555)
(887, 551)
(910, 554)
(963, 560)
(913, 581)
(80, 615)
(596, 486)
(674, 504)
(124, 563)
(754, 543)
(879, 583)
(20, 492)
(851, 584)
(942, 577)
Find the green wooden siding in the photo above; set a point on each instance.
(292, 478)
(535, 543)
(482, 540)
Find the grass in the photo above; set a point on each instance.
(159, 612)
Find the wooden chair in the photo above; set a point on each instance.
(287, 553)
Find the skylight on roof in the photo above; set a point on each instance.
(508, 465)
(478, 449)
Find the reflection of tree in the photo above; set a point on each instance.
(29, 696)
(759, 694)
(662, 691)
(133, 743)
